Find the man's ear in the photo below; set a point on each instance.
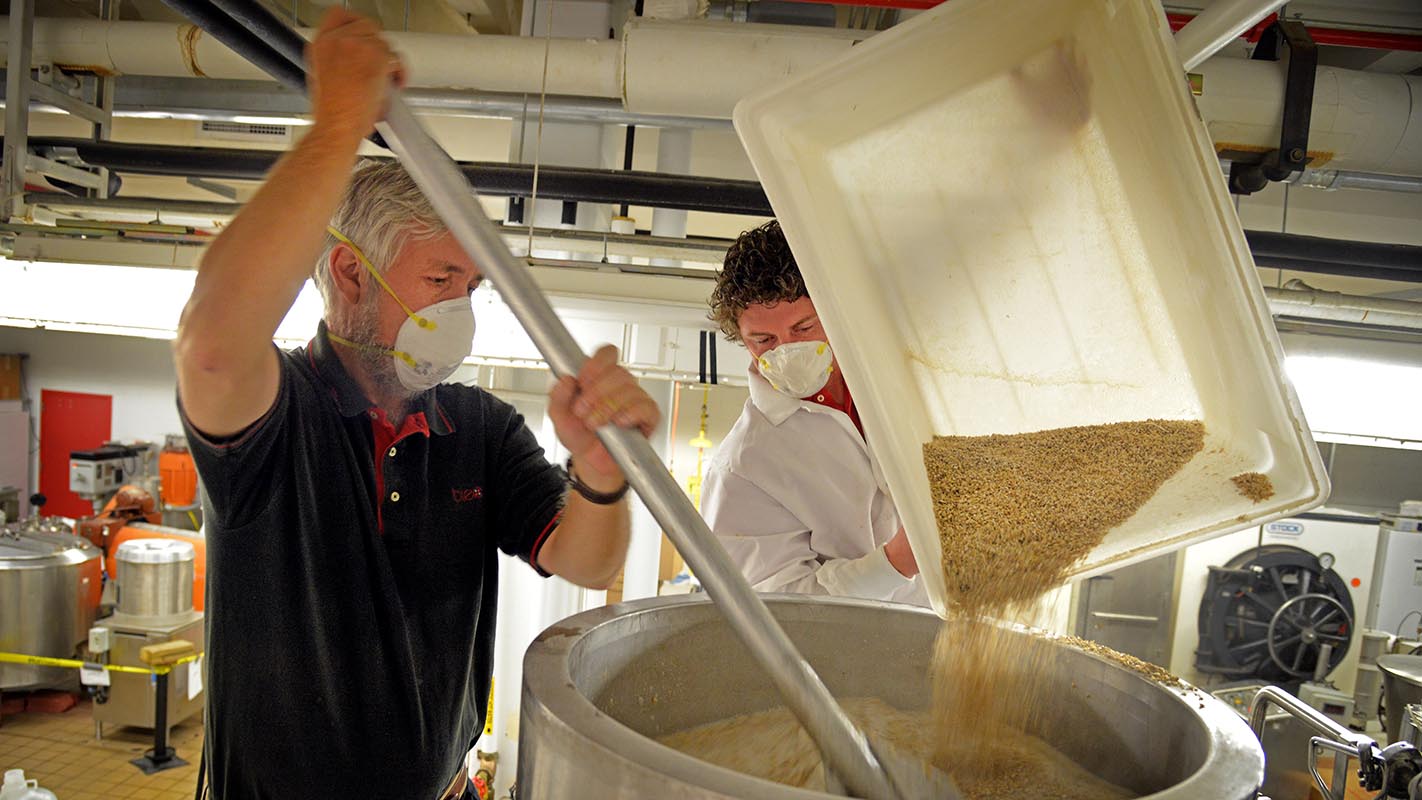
(347, 273)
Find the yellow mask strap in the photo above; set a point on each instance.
(360, 256)
(400, 354)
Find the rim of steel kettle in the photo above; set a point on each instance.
(67, 549)
(1234, 758)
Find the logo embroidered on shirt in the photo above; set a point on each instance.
(465, 495)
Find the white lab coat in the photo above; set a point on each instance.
(796, 499)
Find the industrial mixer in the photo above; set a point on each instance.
(600, 686)
(49, 595)
(155, 605)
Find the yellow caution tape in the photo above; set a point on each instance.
(489, 711)
(72, 663)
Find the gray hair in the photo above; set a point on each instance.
(381, 211)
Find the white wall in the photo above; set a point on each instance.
(138, 373)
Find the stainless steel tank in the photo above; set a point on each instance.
(1402, 684)
(597, 686)
(155, 577)
(49, 595)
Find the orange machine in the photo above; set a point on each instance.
(179, 476)
(129, 504)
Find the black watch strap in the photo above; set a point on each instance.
(590, 494)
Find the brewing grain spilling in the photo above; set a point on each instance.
(1014, 514)
(1254, 485)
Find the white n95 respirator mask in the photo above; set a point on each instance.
(798, 369)
(431, 343)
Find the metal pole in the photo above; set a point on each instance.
(161, 751)
(1217, 26)
(1330, 179)
(104, 88)
(845, 748)
(1310, 716)
(17, 109)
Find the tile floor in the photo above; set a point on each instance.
(60, 751)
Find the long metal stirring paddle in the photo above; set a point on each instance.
(846, 751)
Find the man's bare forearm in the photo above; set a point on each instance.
(589, 545)
(249, 278)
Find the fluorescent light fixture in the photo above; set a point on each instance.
(1358, 398)
(1367, 441)
(189, 115)
(112, 330)
(253, 120)
(147, 301)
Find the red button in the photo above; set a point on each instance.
(1356, 583)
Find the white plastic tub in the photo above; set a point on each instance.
(1011, 219)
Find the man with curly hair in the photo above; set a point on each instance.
(793, 492)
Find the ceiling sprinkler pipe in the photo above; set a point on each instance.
(1331, 179)
(1310, 303)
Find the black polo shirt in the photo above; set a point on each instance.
(351, 593)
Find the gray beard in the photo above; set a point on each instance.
(379, 366)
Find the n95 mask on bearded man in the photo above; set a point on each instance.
(798, 369)
(432, 342)
(426, 355)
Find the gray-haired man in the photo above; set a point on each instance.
(356, 501)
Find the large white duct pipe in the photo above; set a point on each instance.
(721, 61)
(673, 158)
(584, 67)
(702, 69)
(1362, 121)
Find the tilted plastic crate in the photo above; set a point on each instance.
(1010, 218)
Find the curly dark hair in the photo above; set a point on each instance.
(759, 268)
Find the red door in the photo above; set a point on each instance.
(69, 421)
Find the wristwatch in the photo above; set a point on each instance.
(590, 494)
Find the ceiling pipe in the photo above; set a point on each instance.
(1299, 300)
(1343, 37)
(1286, 251)
(1339, 37)
(1393, 262)
(1331, 179)
(649, 69)
(1218, 25)
(1361, 121)
(456, 102)
(144, 97)
(581, 67)
(500, 179)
